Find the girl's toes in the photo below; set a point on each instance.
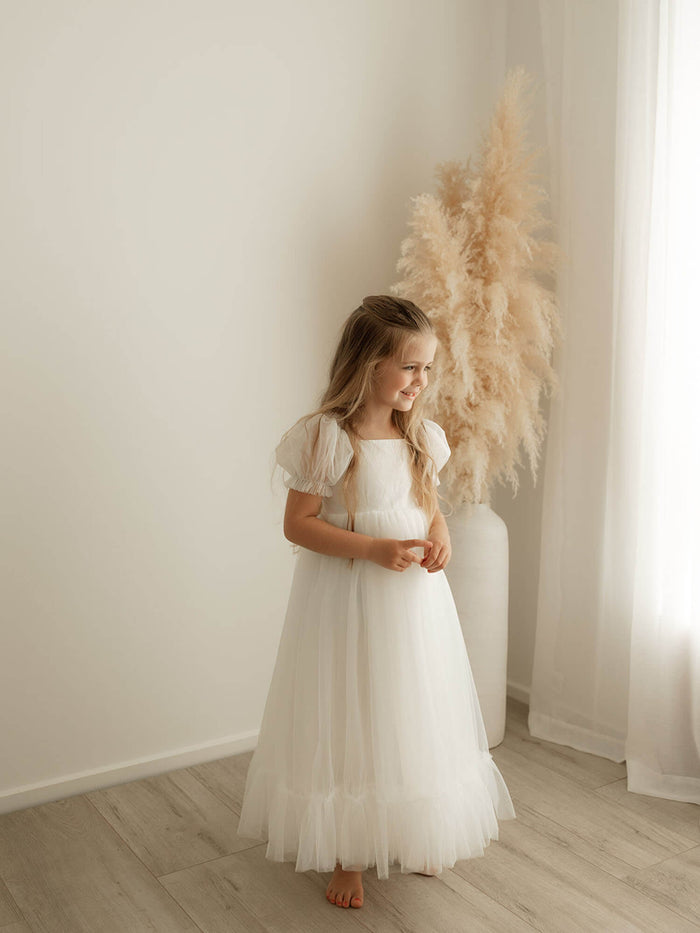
(356, 901)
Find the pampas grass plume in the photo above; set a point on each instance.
(473, 264)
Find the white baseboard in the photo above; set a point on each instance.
(32, 795)
(518, 692)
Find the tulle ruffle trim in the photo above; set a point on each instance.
(418, 832)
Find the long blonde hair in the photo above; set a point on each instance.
(379, 329)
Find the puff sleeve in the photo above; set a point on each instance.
(314, 454)
(437, 442)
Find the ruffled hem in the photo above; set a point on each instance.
(418, 832)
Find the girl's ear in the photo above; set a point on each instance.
(378, 366)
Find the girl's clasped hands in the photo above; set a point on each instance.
(396, 554)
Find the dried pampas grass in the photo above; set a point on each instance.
(471, 265)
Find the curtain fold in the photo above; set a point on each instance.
(617, 650)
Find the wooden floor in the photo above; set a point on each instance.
(162, 854)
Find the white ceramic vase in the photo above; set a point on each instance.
(478, 576)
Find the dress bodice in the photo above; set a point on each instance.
(383, 480)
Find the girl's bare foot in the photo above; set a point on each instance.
(345, 888)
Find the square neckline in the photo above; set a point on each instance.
(367, 440)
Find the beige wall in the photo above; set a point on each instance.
(193, 198)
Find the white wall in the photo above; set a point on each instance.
(194, 196)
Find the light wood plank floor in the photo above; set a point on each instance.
(162, 854)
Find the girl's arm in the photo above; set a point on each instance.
(302, 526)
(441, 551)
(438, 523)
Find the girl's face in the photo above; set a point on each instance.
(399, 381)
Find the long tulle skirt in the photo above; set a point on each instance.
(372, 749)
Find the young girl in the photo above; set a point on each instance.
(372, 747)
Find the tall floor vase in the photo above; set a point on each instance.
(478, 577)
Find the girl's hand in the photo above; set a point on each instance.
(395, 554)
(439, 554)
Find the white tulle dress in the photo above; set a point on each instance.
(372, 748)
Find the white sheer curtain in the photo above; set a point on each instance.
(617, 652)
